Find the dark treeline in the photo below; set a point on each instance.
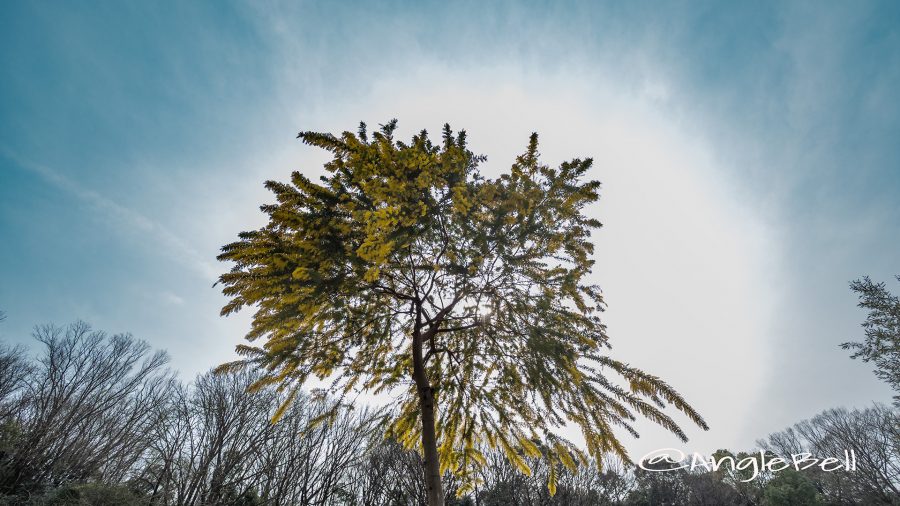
(94, 419)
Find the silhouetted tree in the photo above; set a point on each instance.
(873, 434)
(90, 402)
(14, 370)
(96, 419)
(217, 445)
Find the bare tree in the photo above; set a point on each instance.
(217, 445)
(99, 418)
(203, 448)
(92, 400)
(310, 463)
(390, 475)
(873, 434)
(14, 369)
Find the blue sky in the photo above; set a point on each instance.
(748, 154)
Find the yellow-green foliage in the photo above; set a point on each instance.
(401, 235)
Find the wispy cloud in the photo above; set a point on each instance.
(172, 298)
(124, 218)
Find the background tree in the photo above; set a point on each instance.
(90, 495)
(882, 328)
(14, 371)
(748, 489)
(156, 441)
(405, 269)
(82, 411)
(791, 488)
(592, 484)
(666, 484)
(218, 446)
(873, 434)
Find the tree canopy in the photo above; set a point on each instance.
(404, 270)
(882, 328)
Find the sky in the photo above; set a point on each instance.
(748, 154)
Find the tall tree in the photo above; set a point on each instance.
(83, 410)
(872, 433)
(882, 328)
(405, 270)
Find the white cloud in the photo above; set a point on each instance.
(686, 266)
(172, 298)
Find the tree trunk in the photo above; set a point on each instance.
(429, 444)
(432, 465)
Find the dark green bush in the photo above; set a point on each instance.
(89, 494)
